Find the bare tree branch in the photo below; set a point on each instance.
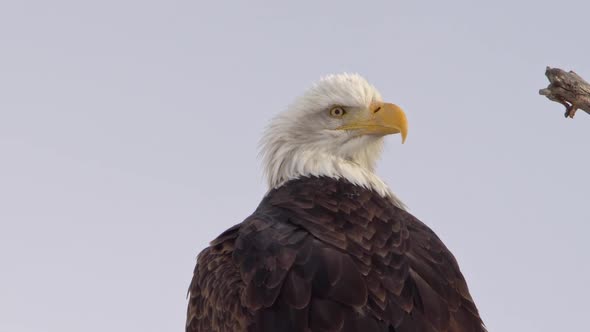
(568, 89)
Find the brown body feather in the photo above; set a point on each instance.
(324, 255)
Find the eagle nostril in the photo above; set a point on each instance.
(377, 109)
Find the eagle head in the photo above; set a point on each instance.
(334, 129)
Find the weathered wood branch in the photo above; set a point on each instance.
(568, 89)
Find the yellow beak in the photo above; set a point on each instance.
(380, 119)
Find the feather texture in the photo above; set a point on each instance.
(321, 254)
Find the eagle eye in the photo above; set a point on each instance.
(337, 112)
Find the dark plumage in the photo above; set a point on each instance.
(321, 254)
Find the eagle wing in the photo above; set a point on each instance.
(215, 289)
(325, 255)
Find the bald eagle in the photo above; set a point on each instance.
(330, 247)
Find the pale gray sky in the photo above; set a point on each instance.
(129, 130)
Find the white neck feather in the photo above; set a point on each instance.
(315, 163)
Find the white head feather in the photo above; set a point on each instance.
(302, 141)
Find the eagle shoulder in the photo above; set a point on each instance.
(325, 255)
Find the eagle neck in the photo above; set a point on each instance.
(316, 164)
